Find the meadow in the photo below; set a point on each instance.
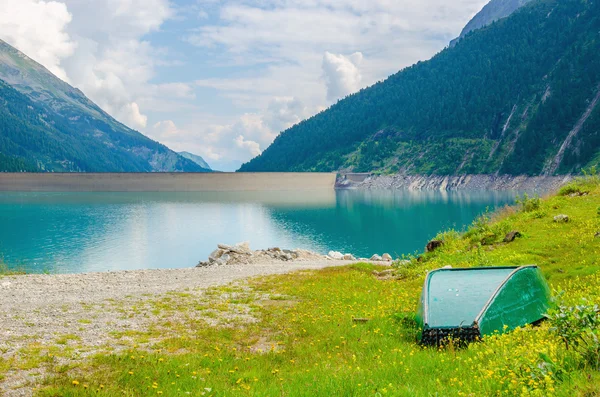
(350, 331)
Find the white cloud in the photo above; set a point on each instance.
(227, 145)
(96, 46)
(130, 114)
(342, 74)
(282, 113)
(38, 28)
(247, 146)
(113, 64)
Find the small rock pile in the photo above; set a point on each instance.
(241, 254)
(338, 256)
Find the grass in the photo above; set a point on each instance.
(6, 271)
(294, 335)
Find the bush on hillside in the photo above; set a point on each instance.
(583, 184)
(528, 204)
(579, 328)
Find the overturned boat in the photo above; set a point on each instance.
(468, 304)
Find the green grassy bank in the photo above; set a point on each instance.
(295, 335)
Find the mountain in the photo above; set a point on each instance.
(47, 125)
(491, 12)
(519, 96)
(196, 159)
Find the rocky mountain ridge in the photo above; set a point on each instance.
(196, 159)
(490, 13)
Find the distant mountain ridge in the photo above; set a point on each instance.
(491, 12)
(196, 159)
(518, 97)
(47, 125)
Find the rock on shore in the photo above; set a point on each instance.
(241, 254)
(433, 182)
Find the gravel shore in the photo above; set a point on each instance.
(91, 308)
(40, 291)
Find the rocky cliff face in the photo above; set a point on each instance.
(196, 159)
(493, 11)
(50, 126)
(462, 182)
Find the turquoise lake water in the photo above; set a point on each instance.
(88, 232)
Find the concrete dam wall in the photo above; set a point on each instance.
(164, 182)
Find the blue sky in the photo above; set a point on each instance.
(221, 78)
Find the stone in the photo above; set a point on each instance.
(203, 264)
(387, 257)
(562, 218)
(216, 254)
(597, 235)
(434, 244)
(292, 253)
(241, 248)
(510, 237)
(349, 257)
(338, 256)
(223, 260)
(224, 247)
(376, 258)
(447, 267)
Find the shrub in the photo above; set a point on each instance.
(582, 184)
(529, 204)
(579, 328)
(485, 232)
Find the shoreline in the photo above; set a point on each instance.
(39, 290)
(447, 183)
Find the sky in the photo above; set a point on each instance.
(222, 78)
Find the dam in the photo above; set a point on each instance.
(164, 182)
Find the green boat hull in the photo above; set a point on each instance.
(468, 304)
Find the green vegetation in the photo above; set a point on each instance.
(50, 126)
(298, 334)
(6, 271)
(503, 99)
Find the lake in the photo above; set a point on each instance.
(89, 232)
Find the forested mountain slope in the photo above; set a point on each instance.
(47, 125)
(517, 97)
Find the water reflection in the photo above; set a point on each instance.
(77, 232)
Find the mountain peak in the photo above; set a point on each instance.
(196, 159)
(491, 12)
